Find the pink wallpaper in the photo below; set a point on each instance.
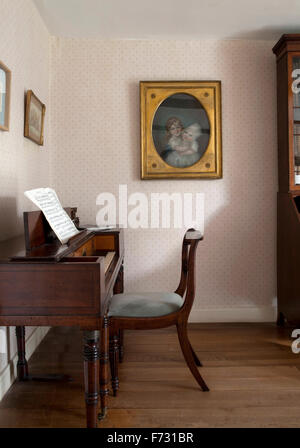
(95, 146)
(24, 48)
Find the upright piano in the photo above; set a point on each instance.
(45, 283)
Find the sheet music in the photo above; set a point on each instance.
(60, 222)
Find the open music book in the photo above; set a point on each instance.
(47, 201)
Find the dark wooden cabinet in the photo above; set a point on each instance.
(287, 51)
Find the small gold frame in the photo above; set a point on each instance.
(6, 93)
(208, 96)
(34, 118)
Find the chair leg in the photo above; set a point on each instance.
(196, 359)
(188, 355)
(121, 345)
(113, 359)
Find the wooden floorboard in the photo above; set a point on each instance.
(254, 381)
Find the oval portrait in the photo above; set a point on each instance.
(181, 130)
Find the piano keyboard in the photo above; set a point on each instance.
(108, 259)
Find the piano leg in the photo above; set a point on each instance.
(104, 368)
(22, 366)
(114, 358)
(121, 345)
(91, 376)
(119, 289)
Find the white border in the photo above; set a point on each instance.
(236, 314)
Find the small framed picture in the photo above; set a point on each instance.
(181, 129)
(34, 118)
(5, 81)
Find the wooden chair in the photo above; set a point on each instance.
(158, 310)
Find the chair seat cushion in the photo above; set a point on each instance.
(145, 304)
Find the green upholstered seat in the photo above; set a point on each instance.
(145, 304)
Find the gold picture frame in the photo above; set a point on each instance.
(34, 118)
(5, 83)
(181, 129)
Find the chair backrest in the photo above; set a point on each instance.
(186, 287)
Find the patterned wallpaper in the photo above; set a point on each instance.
(95, 146)
(24, 48)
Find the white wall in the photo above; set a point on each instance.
(24, 48)
(95, 146)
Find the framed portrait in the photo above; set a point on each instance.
(5, 81)
(34, 118)
(181, 129)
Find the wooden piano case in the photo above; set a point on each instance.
(53, 282)
(45, 283)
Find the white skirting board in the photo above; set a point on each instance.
(236, 314)
(9, 374)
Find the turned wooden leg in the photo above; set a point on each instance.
(113, 358)
(91, 376)
(119, 289)
(104, 368)
(188, 354)
(196, 359)
(22, 366)
(121, 345)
